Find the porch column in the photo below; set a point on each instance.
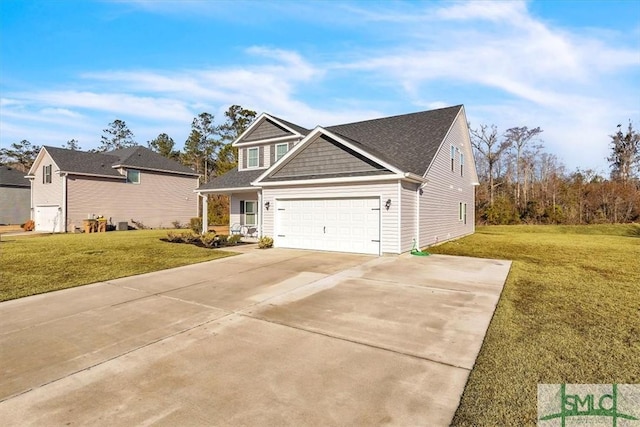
(259, 212)
(205, 213)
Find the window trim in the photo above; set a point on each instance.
(462, 212)
(46, 174)
(254, 213)
(461, 164)
(286, 145)
(453, 158)
(130, 181)
(257, 157)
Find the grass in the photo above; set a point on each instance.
(569, 313)
(44, 262)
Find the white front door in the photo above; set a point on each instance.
(47, 218)
(344, 225)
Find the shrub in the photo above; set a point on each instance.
(265, 242)
(177, 224)
(139, 225)
(29, 225)
(196, 224)
(210, 240)
(234, 239)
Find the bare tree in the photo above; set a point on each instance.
(485, 141)
(519, 137)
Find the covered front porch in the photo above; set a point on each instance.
(245, 213)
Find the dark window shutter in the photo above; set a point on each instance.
(261, 156)
(244, 158)
(44, 173)
(241, 212)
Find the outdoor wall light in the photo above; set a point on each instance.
(387, 204)
(266, 205)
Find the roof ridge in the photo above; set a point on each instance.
(395, 116)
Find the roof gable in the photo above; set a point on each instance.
(409, 141)
(270, 128)
(324, 157)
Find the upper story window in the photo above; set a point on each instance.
(46, 174)
(453, 157)
(461, 164)
(281, 150)
(133, 176)
(252, 157)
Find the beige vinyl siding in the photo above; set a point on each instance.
(156, 202)
(446, 189)
(235, 217)
(408, 215)
(15, 205)
(267, 129)
(384, 190)
(47, 194)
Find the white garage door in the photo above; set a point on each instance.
(344, 225)
(47, 218)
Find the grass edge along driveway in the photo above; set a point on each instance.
(569, 313)
(40, 263)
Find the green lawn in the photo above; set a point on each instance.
(43, 262)
(569, 313)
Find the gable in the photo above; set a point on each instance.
(266, 130)
(324, 157)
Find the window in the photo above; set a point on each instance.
(46, 174)
(133, 176)
(462, 212)
(252, 157)
(461, 164)
(281, 150)
(453, 157)
(250, 212)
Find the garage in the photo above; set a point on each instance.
(47, 218)
(340, 224)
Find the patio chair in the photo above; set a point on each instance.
(235, 229)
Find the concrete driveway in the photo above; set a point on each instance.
(275, 337)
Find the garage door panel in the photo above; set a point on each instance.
(346, 225)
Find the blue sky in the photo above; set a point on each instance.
(69, 68)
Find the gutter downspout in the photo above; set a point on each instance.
(418, 194)
(63, 213)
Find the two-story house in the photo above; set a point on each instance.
(122, 185)
(376, 186)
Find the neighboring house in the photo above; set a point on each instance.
(371, 187)
(132, 183)
(14, 196)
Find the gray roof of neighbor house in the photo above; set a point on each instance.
(409, 141)
(103, 164)
(233, 179)
(10, 177)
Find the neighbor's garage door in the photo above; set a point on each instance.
(344, 225)
(47, 218)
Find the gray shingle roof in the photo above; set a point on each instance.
(233, 179)
(409, 141)
(102, 164)
(82, 162)
(10, 177)
(299, 129)
(143, 158)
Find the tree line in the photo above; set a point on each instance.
(521, 183)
